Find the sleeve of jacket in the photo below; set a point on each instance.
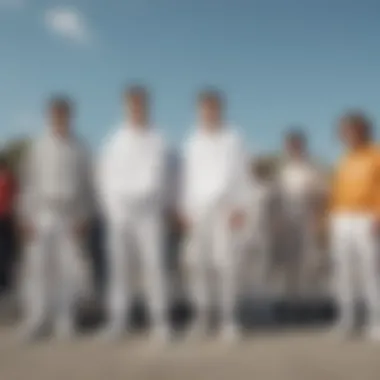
(157, 187)
(321, 189)
(241, 182)
(377, 184)
(185, 198)
(27, 200)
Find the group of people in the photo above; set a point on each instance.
(224, 213)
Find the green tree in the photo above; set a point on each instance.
(14, 152)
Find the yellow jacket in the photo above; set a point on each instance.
(356, 182)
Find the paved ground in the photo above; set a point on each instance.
(307, 355)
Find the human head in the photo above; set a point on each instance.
(295, 143)
(210, 108)
(137, 105)
(355, 129)
(60, 112)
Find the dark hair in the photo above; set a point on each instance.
(211, 96)
(136, 91)
(296, 135)
(61, 103)
(361, 123)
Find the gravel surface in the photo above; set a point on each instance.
(305, 355)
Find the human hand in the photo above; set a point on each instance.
(27, 230)
(237, 219)
(183, 221)
(81, 228)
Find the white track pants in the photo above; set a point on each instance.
(299, 251)
(212, 246)
(132, 234)
(259, 250)
(355, 248)
(51, 262)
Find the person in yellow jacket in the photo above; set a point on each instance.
(355, 223)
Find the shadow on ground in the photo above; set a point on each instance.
(276, 314)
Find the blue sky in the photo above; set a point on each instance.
(280, 62)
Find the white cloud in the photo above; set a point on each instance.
(12, 4)
(68, 23)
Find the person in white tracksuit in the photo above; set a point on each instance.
(261, 224)
(302, 189)
(54, 210)
(355, 225)
(214, 190)
(132, 189)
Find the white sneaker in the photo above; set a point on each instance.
(230, 333)
(343, 330)
(373, 333)
(111, 333)
(64, 330)
(162, 334)
(197, 331)
(31, 333)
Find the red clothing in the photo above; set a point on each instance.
(7, 193)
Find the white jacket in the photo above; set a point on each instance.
(57, 172)
(301, 185)
(215, 172)
(132, 170)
